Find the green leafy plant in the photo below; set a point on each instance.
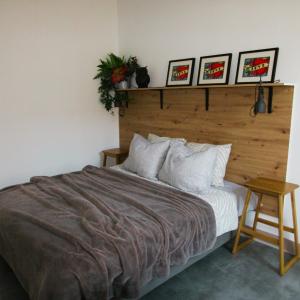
(111, 71)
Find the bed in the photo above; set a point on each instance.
(254, 154)
(221, 206)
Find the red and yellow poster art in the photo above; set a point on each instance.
(214, 70)
(256, 67)
(180, 73)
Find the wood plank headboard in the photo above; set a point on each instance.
(259, 145)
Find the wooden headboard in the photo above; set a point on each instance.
(259, 145)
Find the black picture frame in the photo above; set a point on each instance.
(259, 51)
(226, 77)
(191, 72)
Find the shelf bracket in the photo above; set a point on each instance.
(206, 99)
(126, 93)
(161, 98)
(270, 99)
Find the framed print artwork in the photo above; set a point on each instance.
(214, 69)
(253, 65)
(180, 72)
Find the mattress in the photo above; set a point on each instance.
(227, 202)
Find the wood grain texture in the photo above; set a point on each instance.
(270, 186)
(259, 145)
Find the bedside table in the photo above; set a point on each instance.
(117, 153)
(276, 189)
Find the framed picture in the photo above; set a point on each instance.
(180, 72)
(214, 69)
(253, 65)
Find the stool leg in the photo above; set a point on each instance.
(104, 160)
(281, 234)
(242, 222)
(257, 211)
(295, 223)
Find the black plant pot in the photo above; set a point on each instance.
(142, 77)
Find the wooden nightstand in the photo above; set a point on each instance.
(117, 153)
(276, 189)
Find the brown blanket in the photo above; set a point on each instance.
(83, 235)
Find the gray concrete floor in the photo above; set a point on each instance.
(250, 274)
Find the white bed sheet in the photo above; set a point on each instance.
(227, 202)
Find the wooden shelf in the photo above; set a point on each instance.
(161, 90)
(204, 87)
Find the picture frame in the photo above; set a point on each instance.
(255, 65)
(214, 69)
(180, 72)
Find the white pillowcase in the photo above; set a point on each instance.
(155, 138)
(146, 158)
(188, 170)
(223, 153)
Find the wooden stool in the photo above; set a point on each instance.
(276, 189)
(117, 153)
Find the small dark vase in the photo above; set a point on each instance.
(142, 77)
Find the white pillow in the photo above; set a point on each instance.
(146, 158)
(223, 153)
(155, 138)
(188, 170)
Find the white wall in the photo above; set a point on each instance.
(50, 118)
(158, 31)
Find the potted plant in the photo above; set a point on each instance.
(114, 73)
(132, 65)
